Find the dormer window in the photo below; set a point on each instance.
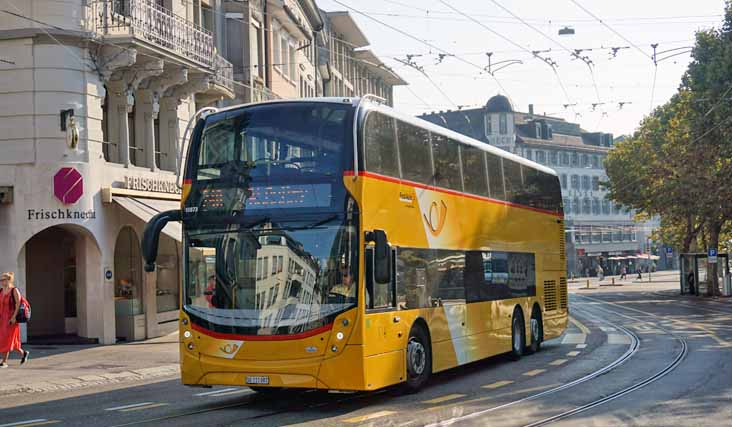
(502, 124)
(538, 130)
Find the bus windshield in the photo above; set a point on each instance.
(287, 155)
(273, 278)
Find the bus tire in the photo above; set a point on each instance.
(419, 359)
(537, 330)
(518, 338)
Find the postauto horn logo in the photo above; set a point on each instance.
(68, 185)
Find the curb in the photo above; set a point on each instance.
(90, 380)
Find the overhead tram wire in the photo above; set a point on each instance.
(576, 3)
(574, 53)
(426, 43)
(534, 54)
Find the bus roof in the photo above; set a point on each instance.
(371, 105)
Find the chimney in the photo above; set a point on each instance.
(531, 109)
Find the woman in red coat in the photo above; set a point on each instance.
(9, 328)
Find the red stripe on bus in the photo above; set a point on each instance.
(451, 192)
(187, 181)
(224, 336)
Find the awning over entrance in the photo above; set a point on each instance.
(145, 209)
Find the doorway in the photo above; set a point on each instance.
(51, 285)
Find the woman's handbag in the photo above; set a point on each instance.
(24, 312)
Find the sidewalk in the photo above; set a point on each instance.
(670, 277)
(67, 367)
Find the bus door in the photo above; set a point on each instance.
(385, 329)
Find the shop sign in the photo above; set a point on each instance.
(60, 214)
(68, 185)
(151, 184)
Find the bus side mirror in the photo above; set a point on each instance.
(151, 236)
(382, 258)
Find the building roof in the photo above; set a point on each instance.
(375, 66)
(343, 24)
(562, 141)
(498, 104)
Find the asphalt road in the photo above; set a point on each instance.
(632, 356)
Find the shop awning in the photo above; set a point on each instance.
(145, 209)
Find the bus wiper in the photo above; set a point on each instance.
(315, 224)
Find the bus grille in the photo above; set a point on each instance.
(563, 292)
(562, 239)
(550, 295)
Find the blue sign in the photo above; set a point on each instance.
(669, 250)
(712, 256)
(108, 274)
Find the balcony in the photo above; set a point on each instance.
(146, 20)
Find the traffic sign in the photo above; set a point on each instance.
(669, 252)
(712, 256)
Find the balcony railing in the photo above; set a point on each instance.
(261, 93)
(147, 20)
(223, 72)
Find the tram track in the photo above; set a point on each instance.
(633, 387)
(632, 349)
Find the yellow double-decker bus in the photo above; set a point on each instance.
(337, 244)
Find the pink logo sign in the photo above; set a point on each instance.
(68, 185)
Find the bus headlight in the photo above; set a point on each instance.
(339, 335)
(187, 334)
(190, 346)
(334, 349)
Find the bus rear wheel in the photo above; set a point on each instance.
(419, 359)
(536, 332)
(518, 340)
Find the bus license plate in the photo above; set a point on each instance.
(258, 380)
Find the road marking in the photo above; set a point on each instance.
(363, 418)
(208, 393)
(231, 393)
(29, 423)
(497, 396)
(607, 329)
(618, 339)
(558, 362)
(134, 405)
(581, 345)
(579, 325)
(534, 373)
(573, 353)
(497, 384)
(139, 408)
(574, 339)
(444, 398)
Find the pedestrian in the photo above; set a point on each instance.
(639, 272)
(9, 327)
(600, 273)
(690, 282)
(622, 272)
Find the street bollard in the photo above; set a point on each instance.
(588, 283)
(613, 281)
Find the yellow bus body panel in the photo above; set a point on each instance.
(372, 354)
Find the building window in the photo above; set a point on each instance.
(541, 157)
(277, 49)
(586, 206)
(575, 159)
(488, 125)
(564, 180)
(576, 207)
(596, 207)
(529, 154)
(502, 124)
(595, 183)
(606, 207)
(595, 162)
(586, 182)
(565, 159)
(575, 182)
(616, 209)
(553, 158)
(257, 54)
(567, 204)
(292, 62)
(585, 161)
(284, 48)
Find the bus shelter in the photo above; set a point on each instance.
(693, 272)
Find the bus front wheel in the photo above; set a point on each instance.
(518, 340)
(536, 331)
(419, 359)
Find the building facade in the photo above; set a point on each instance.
(95, 97)
(597, 232)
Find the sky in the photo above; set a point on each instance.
(621, 87)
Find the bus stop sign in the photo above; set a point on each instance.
(712, 256)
